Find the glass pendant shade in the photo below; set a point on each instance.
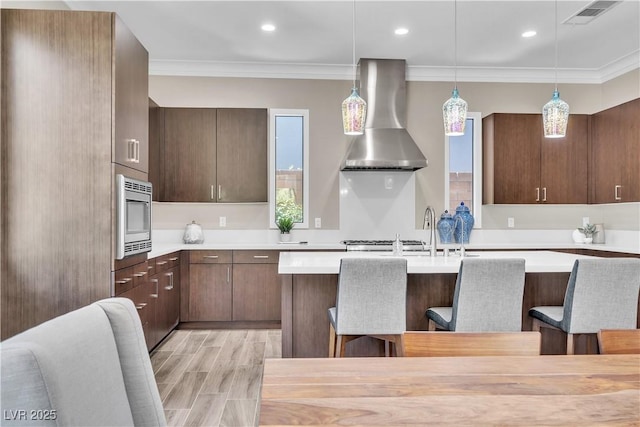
(354, 112)
(555, 115)
(454, 113)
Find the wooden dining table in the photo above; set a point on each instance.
(585, 390)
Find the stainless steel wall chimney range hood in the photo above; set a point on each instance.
(385, 144)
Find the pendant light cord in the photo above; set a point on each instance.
(555, 25)
(455, 44)
(353, 39)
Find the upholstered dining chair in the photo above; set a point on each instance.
(371, 301)
(487, 297)
(619, 341)
(602, 293)
(448, 344)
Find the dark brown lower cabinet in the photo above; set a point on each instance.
(256, 292)
(142, 297)
(154, 288)
(232, 286)
(167, 288)
(210, 292)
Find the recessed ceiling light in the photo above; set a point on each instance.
(401, 31)
(529, 33)
(268, 27)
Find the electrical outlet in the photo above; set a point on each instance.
(388, 182)
(511, 222)
(585, 220)
(223, 221)
(318, 222)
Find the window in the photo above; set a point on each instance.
(289, 166)
(463, 169)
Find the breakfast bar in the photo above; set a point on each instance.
(309, 285)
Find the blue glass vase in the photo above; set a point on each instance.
(445, 227)
(463, 221)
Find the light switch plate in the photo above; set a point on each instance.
(223, 221)
(511, 222)
(318, 222)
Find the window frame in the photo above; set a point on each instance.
(273, 114)
(476, 209)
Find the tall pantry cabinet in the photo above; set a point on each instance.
(63, 126)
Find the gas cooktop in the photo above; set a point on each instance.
(382, 245)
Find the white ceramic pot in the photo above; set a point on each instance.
(588, 239)
(285, 237)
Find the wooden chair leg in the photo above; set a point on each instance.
(332, 341)
(432, 325)
(536, 325)
(570, 343)
(340, 345)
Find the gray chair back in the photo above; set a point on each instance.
(488, 295)
(602, 293)
(372, 296)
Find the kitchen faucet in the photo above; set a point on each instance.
(455, 223)
(430, 220)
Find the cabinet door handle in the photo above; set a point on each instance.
(537, 194)
(141, 274)
(544, 194)
(228, 274)
(170, 276)
(150, 267)
(123, 281)
(133, 150)
(261, 256)
(141, 305)
(213, 197)
(616, 192)
(219, 192)
(156, 294)
(210, 256)
(161, 262)
(175, 258)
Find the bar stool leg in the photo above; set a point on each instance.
(332, 341)
(570, 343)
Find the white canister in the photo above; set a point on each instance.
(193, 233)
(598, 237)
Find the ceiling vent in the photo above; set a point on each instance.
(590, 12)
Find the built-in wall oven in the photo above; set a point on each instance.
(134, 216)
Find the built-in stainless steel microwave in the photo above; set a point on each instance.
(134, 216)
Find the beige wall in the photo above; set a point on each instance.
(424, 123)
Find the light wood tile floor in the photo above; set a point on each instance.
(211, 378)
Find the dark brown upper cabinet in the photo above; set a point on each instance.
(615, 154)
(521, 166)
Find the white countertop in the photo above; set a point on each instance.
(165, 248)
(329, 262)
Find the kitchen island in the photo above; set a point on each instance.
(309, 286)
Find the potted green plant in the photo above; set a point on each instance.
(285, 224)
(588, 230)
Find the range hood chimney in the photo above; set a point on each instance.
(385, 144)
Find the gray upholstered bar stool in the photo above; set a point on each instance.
(487, 297)
(372, 301)
(602, 293)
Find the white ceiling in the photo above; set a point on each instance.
(313, 39)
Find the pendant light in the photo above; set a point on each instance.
(454, 111)
(354, 108)
(555, 113)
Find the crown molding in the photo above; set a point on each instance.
(414, 73)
